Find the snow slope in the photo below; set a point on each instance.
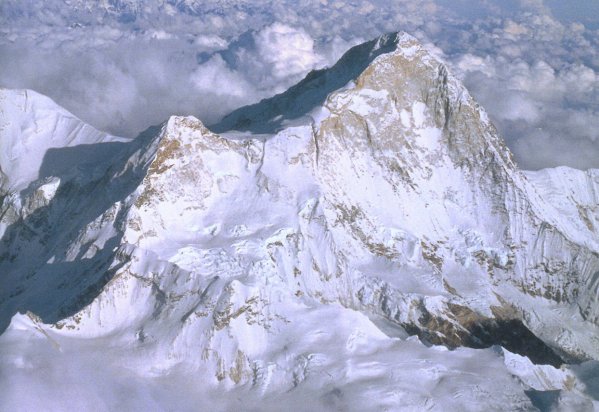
(287, 262)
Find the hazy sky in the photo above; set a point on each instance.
(123, 65)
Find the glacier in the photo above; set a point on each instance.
(362, 241)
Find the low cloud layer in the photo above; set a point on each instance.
(125, 65)
(540, 89)
(125, 82)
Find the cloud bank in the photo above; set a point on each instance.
(123, 82)
(125, 65)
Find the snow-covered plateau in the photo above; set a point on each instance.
(363, 241)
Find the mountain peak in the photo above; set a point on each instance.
(400, 67)
(272, 114)
(381, 203)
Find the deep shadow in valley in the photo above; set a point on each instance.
(472, 330)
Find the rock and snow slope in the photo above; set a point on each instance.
(287, 261)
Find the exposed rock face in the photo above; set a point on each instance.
(391, 197)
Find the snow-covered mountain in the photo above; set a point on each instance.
(363, 241)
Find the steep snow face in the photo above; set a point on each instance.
(574, 194)
(291, 265)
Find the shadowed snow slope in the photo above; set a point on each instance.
(287, 261)
(59, 177)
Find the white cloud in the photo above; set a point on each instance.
(215, 77)
(538, 87)
(210, 43)
(289, 51)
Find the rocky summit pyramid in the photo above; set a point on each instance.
(363, 241)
